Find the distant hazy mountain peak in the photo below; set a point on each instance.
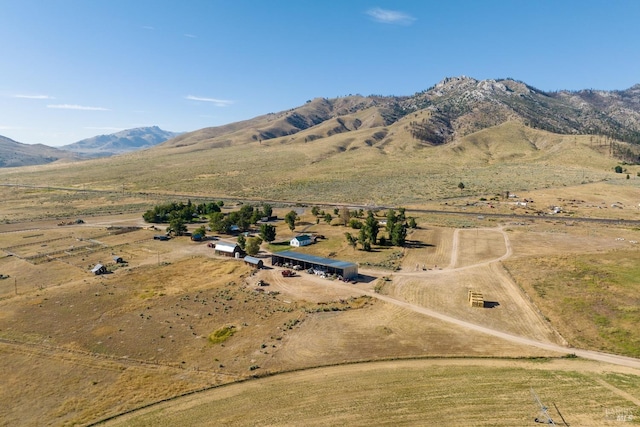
(121, 142)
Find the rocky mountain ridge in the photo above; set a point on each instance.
(451, 109)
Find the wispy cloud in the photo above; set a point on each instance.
(217, 102)
(2, 127)
(191, 36)
(33, 96)
(76, 107)
(147, 27)
(386, 16)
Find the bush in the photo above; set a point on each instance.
(221, 335)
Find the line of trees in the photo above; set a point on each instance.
(186, 211)
(243, 218)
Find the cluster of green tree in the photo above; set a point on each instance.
(396, 228)
(243, 218)
(250, 245)
(187, 212)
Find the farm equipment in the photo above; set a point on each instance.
(288, 273)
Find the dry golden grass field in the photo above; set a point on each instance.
(402, 346)
(95, 346)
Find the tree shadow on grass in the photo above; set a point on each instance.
(417, 244)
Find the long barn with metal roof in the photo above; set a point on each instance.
(348, 270)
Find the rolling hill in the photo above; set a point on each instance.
(15, 154)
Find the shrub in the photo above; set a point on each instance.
(221, 335)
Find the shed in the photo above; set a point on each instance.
(99, 269)
(228, 249)
(254, 262)
(118, 259)
(302, 240)
(348, 270)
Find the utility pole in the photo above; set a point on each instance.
(15, 284)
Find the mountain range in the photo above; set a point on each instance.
(15, 154)
(452, 109)
(120, 142)
(448, 111)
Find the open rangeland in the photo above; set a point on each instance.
(176, 318)
(456, 392)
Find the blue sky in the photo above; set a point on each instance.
(73, 69)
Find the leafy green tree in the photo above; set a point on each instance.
(362, 238)
(412, 223)
(371, 227)
(267, 209)
(253, 245)
(461, 186)
(391, 220)
(356, 224)
(242, 241)
(290, 218)
(177, 226)
(351, 240)
(401, 215)
(399, 234)
(202, 231)
(219, 223)
(315, 211)
(268, 232)
(618, 169)
(336, 211)
(328, 218)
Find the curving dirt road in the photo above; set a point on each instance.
(515, 293)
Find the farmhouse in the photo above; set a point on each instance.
(254, 262)
(345, 269)
(228, 249)
(99, 269)
(301, 240)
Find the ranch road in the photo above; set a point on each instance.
(587, 354)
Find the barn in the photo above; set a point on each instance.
(254, 262)
(348, 270)
(301, 240)
(228, 249)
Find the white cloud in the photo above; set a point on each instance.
(76, 107)
(33, 96)
(191, 36)
(386, 16)
(9, 127)
(217, 102)
(146, 27)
